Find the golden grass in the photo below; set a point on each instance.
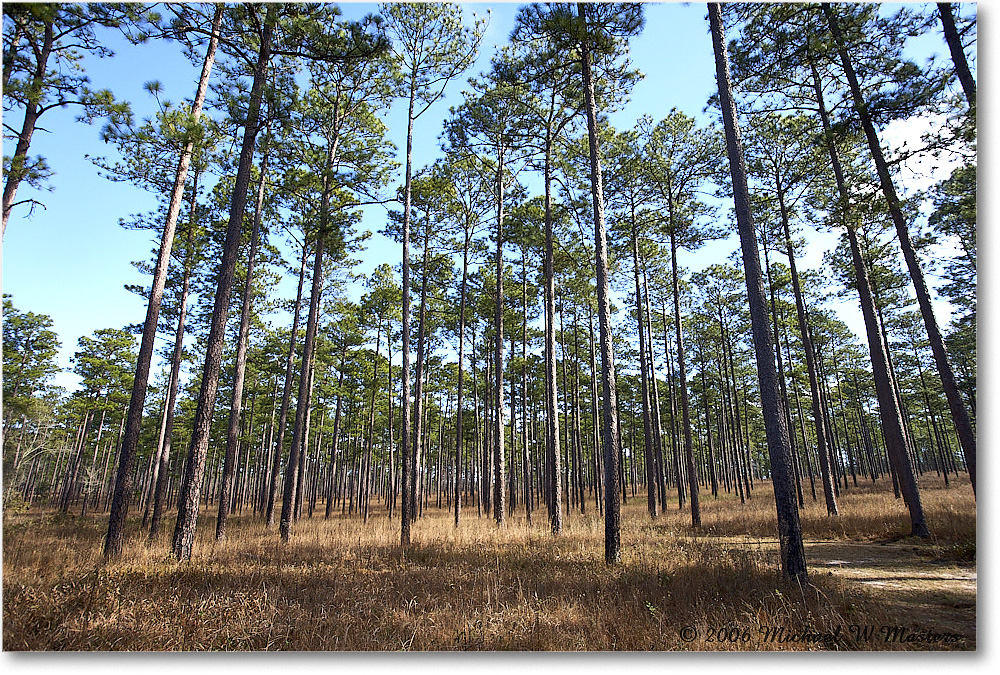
(345, 585)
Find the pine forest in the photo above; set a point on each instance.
(448, 326)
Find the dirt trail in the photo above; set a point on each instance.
(920, 591)
(934, 595)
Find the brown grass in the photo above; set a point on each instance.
(345, 585)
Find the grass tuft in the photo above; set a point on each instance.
(341, 584)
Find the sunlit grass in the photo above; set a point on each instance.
(342, 584)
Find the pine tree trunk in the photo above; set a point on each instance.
(807, 347)
(960, 416)
(404, 446)
(302, 401)
(609, 415)
(789, 529)
(418, 395)
(242, 342)
(460, 405)
(499, 459)
(692, 470)
(892, 425)
(126, 455)
(957, 52)
(552, 450)
(159, 494)
(286, 395)
(644, 371)
(190, 498)
(335, 444)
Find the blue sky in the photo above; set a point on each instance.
(72, 259)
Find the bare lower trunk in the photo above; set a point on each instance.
(609, 413)
(499, 459)
(651, 505)
(892, 424)
(160, 492)
(789, 529)
(551, 394)
(418, 394)
(236, 405)
(404, 446)
(459, 429)
(302, 401)
(286, 396)
(960, 416)
(692, 469)
(188, 503)
(807, 347)
(126, 455)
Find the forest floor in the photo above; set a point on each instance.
(342, 584)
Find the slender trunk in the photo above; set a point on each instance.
(957, 52)
(187, 516)
(418, 395)
(370, 433)
(155, 459)
(960, 416)
(609, 421)
(239, 376)
(160, 493)
(708, 428)
(646, 425)
(781, 380)
(459, 429)
(655, 421)
(302, 401)
(892, 424)
(678, 473)
(551, 392)
(286, 395)
(807, 347)
(789, 529)
(126, 455)
(404, 446)
(526, 469)
(499, 460)
(692, 470)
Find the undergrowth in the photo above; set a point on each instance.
(341, 584)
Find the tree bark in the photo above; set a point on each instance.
(302, 402)
(126, 455)
(609, 415)
(692, 470)
(807, 347)
(499, 459)
(188, 503)
(236, 406)
(160, 492)
(957, 52)
(789, 528)
(404, 446)
(644, 379)
(418, 395)
(459, 428)
(960, 416)
(892, 424)
(551, 392)
(286, 396)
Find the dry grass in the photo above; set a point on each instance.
(344, 585)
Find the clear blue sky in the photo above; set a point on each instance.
(72, 259)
